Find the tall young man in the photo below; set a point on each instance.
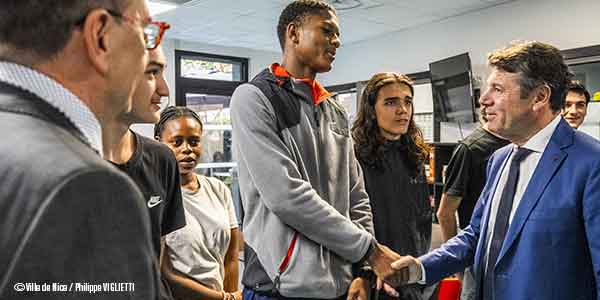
(149, 163)
(307, 216)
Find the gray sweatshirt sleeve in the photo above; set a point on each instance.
(282, 189)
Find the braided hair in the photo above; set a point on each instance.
(172, 113)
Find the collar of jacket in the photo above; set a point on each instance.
(282, 78)
(16, 100)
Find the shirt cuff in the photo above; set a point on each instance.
(423, 276)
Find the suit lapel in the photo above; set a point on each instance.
(547, 167)
(488, 194)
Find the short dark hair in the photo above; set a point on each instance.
(537, 63)
(577, 87)
(172, 113)
(41, 29)
(296, 11)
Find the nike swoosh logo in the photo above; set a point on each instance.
(154, 201)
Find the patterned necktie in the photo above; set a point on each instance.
(502, 218)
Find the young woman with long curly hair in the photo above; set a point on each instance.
(392, 154)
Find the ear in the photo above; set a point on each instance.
(541, 97)
(293, 33)
(96, 35)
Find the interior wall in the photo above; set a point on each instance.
(565, 24)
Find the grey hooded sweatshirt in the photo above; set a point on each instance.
(298, 173)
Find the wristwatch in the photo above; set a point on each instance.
(367, 273)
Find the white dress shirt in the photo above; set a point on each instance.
(537, 144)
(57, 96)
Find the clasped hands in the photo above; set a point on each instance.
(393, 269)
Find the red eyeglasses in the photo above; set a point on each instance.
(153, 30)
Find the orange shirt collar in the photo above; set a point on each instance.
(319, 93)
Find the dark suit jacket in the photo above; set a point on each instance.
(552, 247)
(66, 216)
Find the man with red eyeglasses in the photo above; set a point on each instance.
(68, 219)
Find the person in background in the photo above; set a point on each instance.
(576, 103)
(392, 154)
(464, 181)
(149, 163)
(67, 68)
(202, 258)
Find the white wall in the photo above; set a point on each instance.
(563, 23)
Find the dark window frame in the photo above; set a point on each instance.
(206, 86)
(582, 52)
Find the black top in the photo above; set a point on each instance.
(465, 174)
(401, 209)
(154, 169)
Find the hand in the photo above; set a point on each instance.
(237, 295)
(232, 296)
(381, 260)
(359, 289)
(409, 270)
(387, 288)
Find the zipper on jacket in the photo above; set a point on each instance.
(315, 114)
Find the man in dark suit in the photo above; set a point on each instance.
(534, 232)
(69, 222)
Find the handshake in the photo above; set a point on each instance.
(393, 269)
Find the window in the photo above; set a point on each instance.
(211, 68)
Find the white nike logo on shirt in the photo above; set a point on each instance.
(154, 201)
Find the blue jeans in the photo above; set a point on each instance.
(248, 294)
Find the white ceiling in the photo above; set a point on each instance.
(252, 23)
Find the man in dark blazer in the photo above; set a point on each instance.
(534, 232)
(70, 223)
